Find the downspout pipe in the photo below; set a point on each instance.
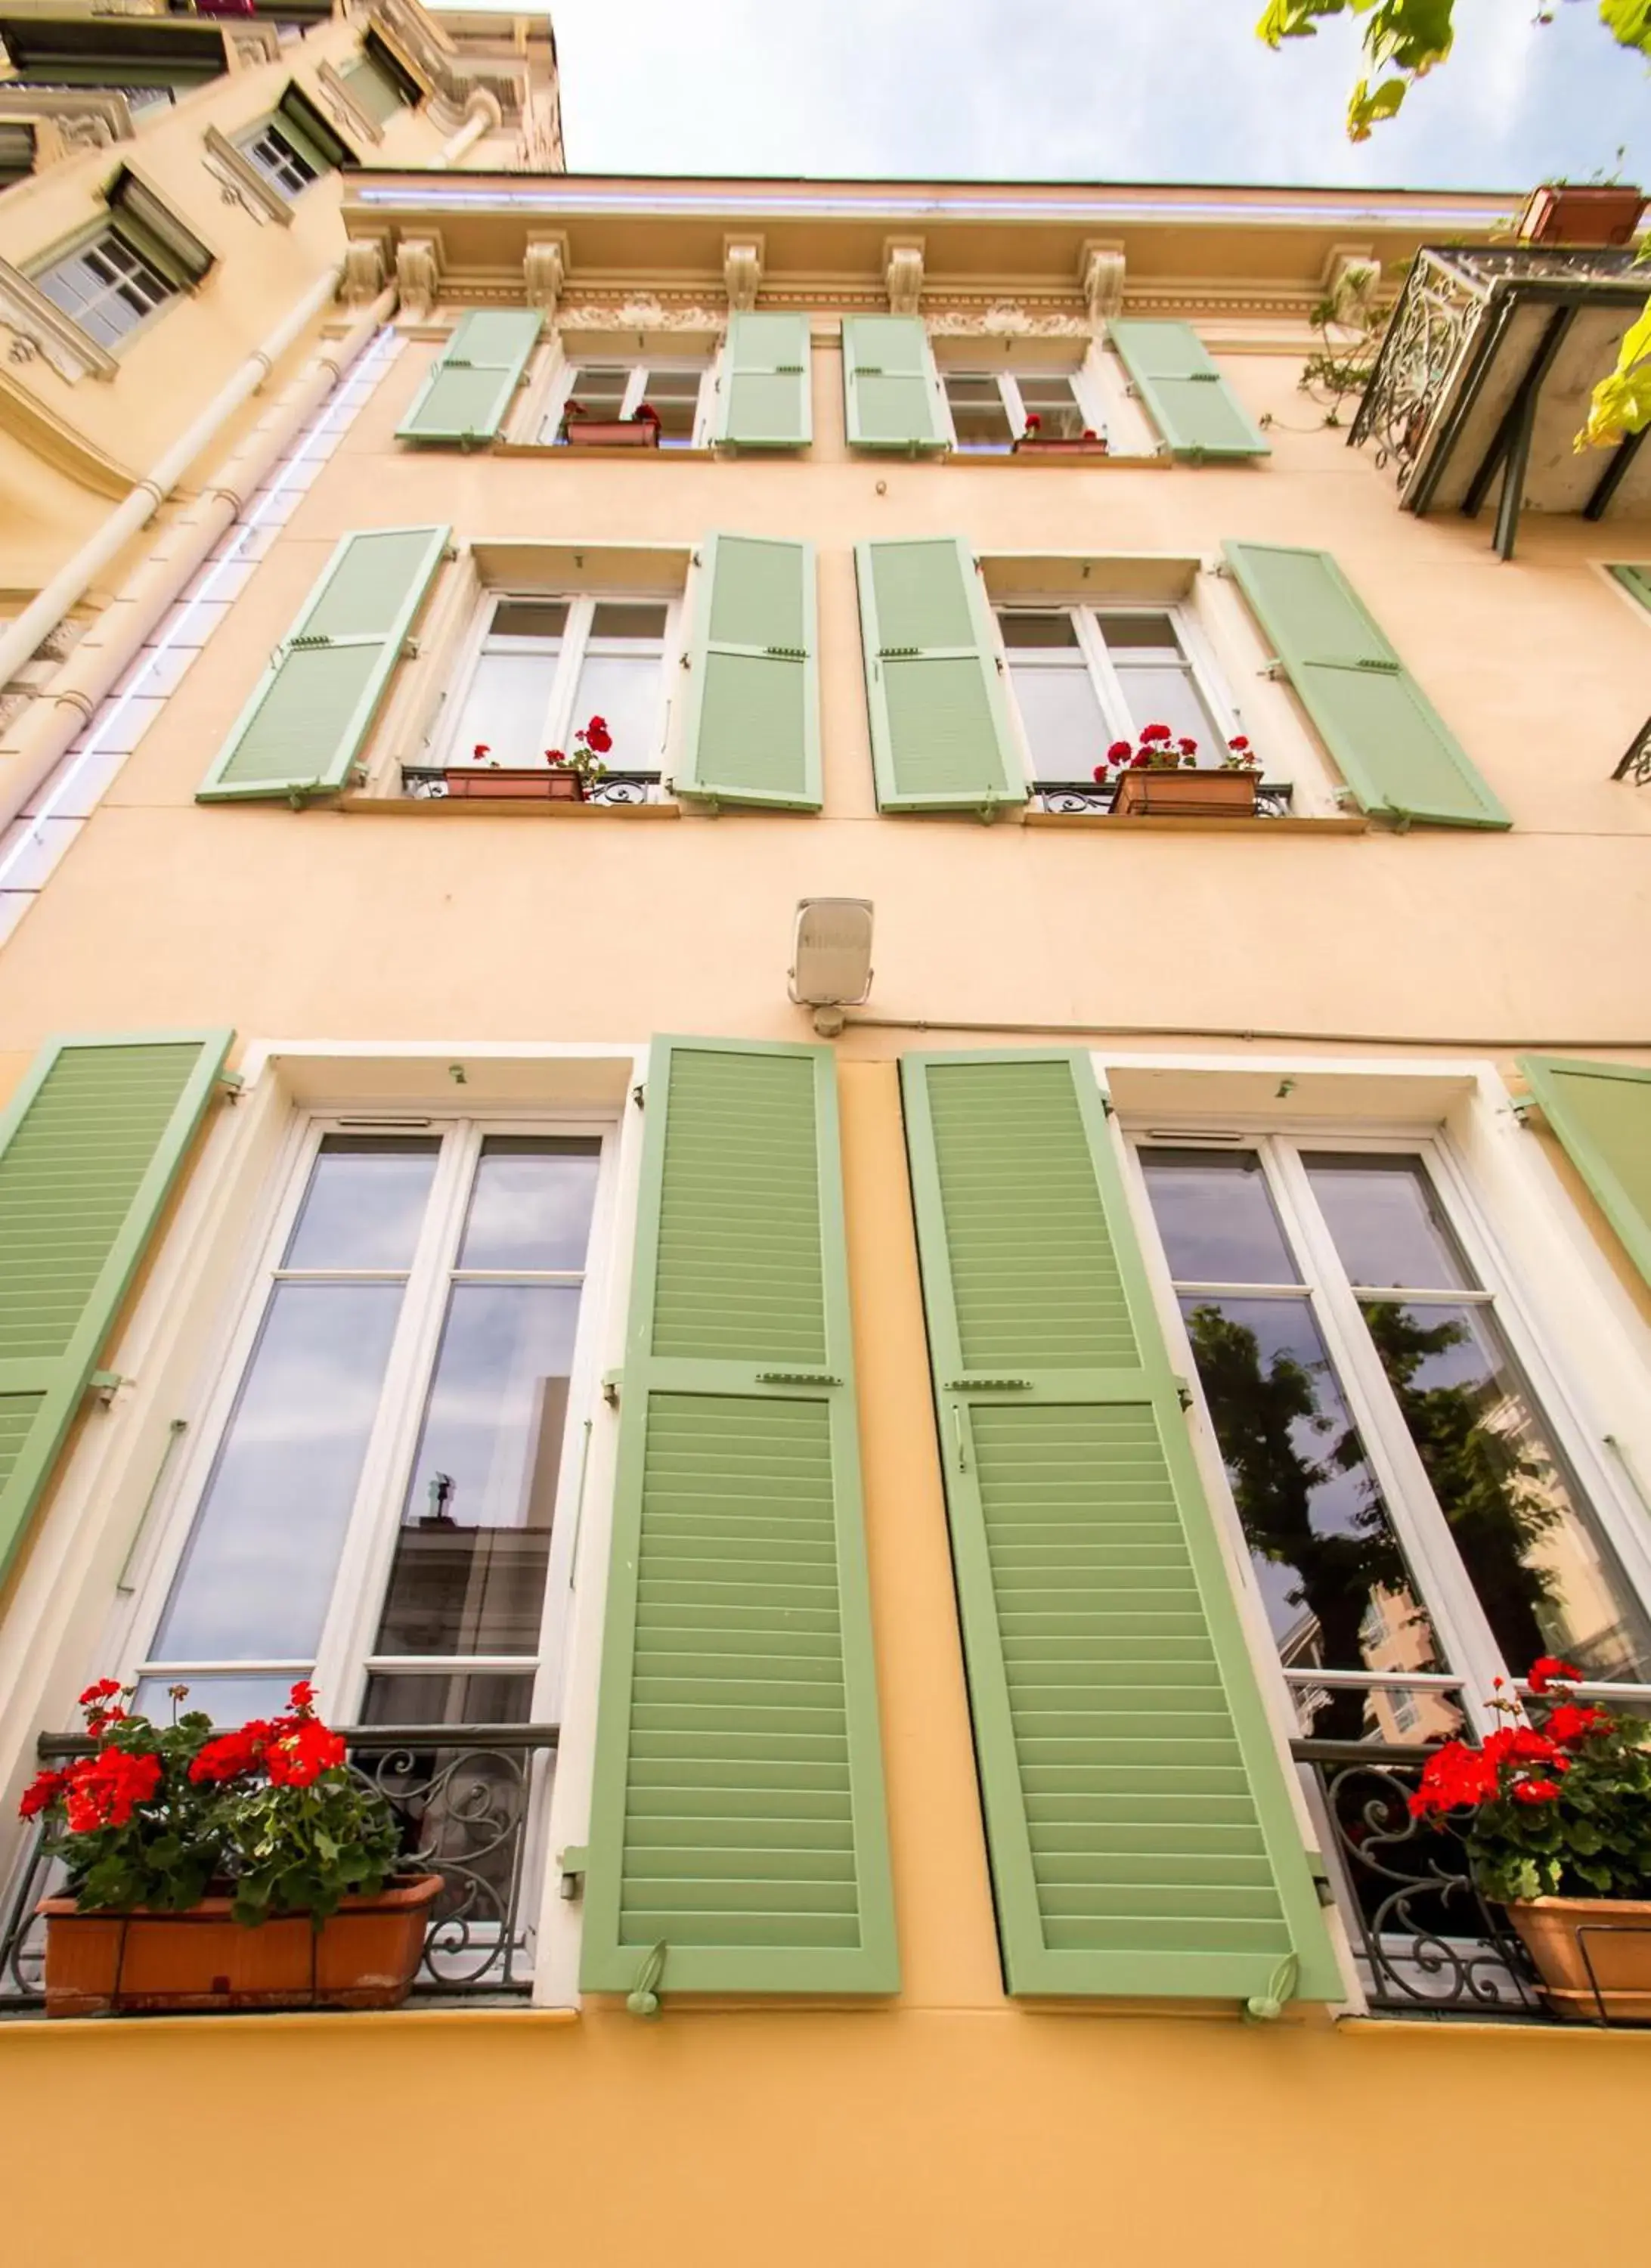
(49, 724)
(482, 115)
(41, 617)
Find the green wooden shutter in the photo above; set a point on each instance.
(372, 89)
(300, 731)
(738, 1817)
(469, 386)
(1143, 1841)
(752, 728)
(1395, 750)
(90, 1147)
(1636, 580)
(940, 738)
(1192, 404)
(1601, 1113)
(891, 394)
(764, 398)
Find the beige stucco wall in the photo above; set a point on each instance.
(952, 2125)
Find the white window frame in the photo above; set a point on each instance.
(343, 1659)
(1116, 723)
(1464, 1631)
(1087, 395)
(560, 720)
(563, 385)
(246, 142)
(107, 293)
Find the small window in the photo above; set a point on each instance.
(993, 409)
(282, 155)
(1085, 676)
(544, 666)
(109, 287)
(612, 392)
(373, 88)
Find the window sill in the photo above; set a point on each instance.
(502, 807)
(1117, 462)
(1188, 826)
(604, 456)
(285, 2020)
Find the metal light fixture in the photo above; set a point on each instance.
(831, 958)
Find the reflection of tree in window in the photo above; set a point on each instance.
(1262, 1412)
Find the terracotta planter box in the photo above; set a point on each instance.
(1185, 795)
(101, 1964)
(1595, 214)
(610, 433)
(1038, 448)
(1617, 1945)
(552, 783)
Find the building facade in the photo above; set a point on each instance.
(892, 1391)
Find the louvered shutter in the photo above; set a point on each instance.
(372, 89)
(1142, 1837)
(939, 725)
(738, 1818)
(1395, 750)
(1192, 404)
(753, 726)
(90, 1147)
(470, 384)
(301, 731)
(1600, 1114)
(764, 395)
(891, 393)
(1636, 580)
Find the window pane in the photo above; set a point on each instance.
(1401, 1713)
(1050, 397)
(1543, 1573)
(613, 618)
(458, 1696)
(977, 412)
(1140, 637)
(531, 1205)
(1387, 1224)
(505, 709)
(470, 1559)
(226, 1700)
(533, 618)
(257, 1574)
(1215, 1218)
(627, 693)
(674, 394)
(1035, 632)
(365, 1204)
(1065, 730)
(1168, 694)
(1338, 1592)
(599, 388)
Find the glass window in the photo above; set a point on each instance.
(464, 1256)
(506, 705)
(993, 409)
(1157, 680)
(545, 667)
(1304, 1363)
(279, 159)
(621, 680)
(1053, 399)
(980, 417)
(1084, 677)
(1060, 709)
(614, 391)
(106, 287)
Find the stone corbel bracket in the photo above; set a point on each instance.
(366, 271)
(903, 274)
(1101, 270)
(39, 328)
(418, 265)
(1351, 279)
(248, 45)
(76, 118)
(742, 270)
(243, 184)
(544, 268)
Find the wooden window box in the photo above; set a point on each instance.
(610, 433)
(1185, 795)
(1035, 445)
(552, 785)
(1597, 214)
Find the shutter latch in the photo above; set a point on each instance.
(987, 1385)
(1204, 377)
(573, 1862)
(610, 1387)
(1379, 663)
(106, 1384)
(643, 1999)
(797, 1378)
(1183, 1394)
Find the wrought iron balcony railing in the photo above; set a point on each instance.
(1426, 1944)
(1070, 797)
(428, 783)
(469, 1800)
(1636, 761)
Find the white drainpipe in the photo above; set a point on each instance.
(53, 720)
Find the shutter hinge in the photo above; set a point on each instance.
(573, 1862)
(1109, 1108)
(1323, 1886)
(231, 1083)
(1183, 1394)
(1273, 669)
(409, 648)
(1525, 1108)
(643, 1999)
(683, 662)
(639, 1096)
(610, 1387)
(106, 1383)
(1221, 568)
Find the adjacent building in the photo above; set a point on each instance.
(890, 1369)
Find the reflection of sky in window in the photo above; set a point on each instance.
(531, 1205)
(364, 1205)
(1216, 1218)
(258, 1572)
(1387, 1224)
(501, 1341)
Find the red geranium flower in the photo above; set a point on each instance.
(1549, 1671)
(555, 756)
(1238, 741)
(1156, 733)
(299, 1757)
(231, 1756)
(105, 1790)
(100, 1691)
(1187, 747)
(645, 414)
(302, 1695)
(481, 750)
(597, 736)
(1119, 753)
(1573, 1721)
(41, 1791)
(1536, 1791)
(1033, 421)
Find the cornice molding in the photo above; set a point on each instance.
(39, 327)
(241, 182)
(334, 91)
(48, 437)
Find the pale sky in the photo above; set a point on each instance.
(1080, 90)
